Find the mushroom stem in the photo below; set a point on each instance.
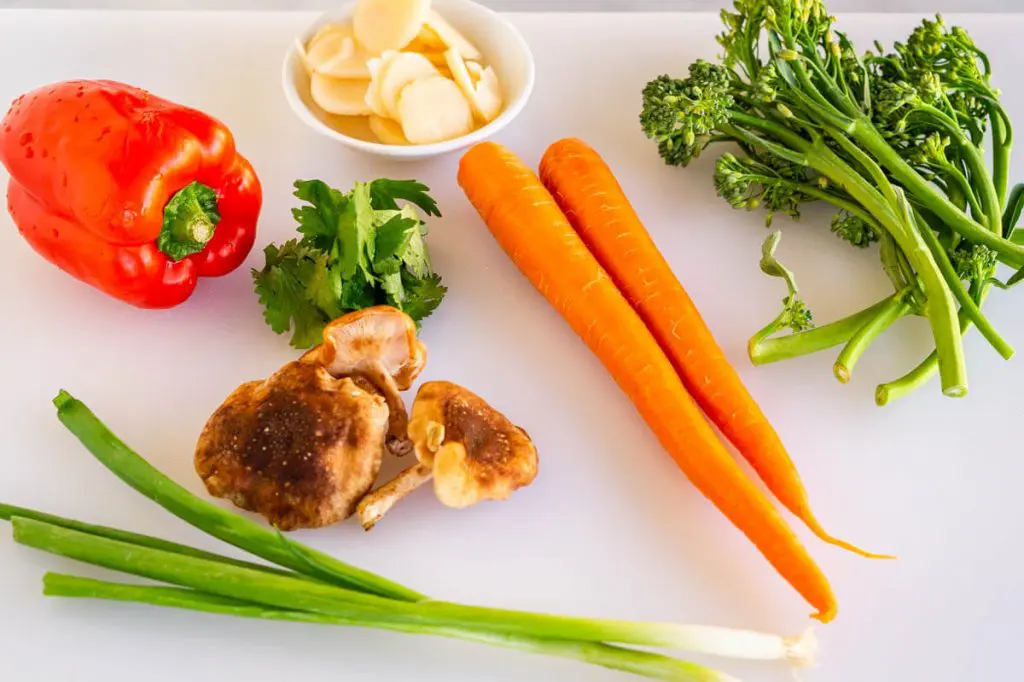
(375, 505)
(398, 420)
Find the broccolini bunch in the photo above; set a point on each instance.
(893, 140)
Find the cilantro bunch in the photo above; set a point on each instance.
(357, 250)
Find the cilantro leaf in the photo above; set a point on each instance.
(319, 222)
(393, 288)
(393, 238)
(384, 193)
(357, 292)
(356, 235)
(364, 224)
(356, 250)
(323, 287)
(422, 296)
(415, 257)
(281, 286)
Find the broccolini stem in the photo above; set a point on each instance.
(894, 308)
(920, 375)
(967, 305)
(957, 220)
(1012, 213)
(764, 350)
(848, 206)
(892, 264)
(964, 186)
(817, 192)
(780, 132)
(915, 378)
(757, 141)
(909, 382)
(1002, 140)
(938, 304)
(838, 99)
(991, 203)
(939, 301)
(869, 165)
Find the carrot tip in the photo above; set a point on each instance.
(826, 615)
(853, 548)
(821, 534)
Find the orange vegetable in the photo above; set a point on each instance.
(533, 231)
(591, 198)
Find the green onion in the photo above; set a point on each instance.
(246, 584)
(8, 512)
(650, 665)
(231, 528)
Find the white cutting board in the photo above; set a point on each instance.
(610, 527)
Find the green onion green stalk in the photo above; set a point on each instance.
(306, 586)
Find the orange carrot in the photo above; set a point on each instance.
(533, 231)
(593, 201)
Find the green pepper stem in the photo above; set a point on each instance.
(190, 218)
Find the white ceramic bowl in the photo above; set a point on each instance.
(500, 42)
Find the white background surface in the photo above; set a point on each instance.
(610, 527)
(920, 6)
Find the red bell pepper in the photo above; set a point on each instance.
(130, 193)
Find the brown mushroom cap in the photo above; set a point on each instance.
(475, 452)
(301, 448)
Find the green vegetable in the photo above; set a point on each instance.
(893, 140)
(356, 250)
(324, 591)
(8, 512)
(645, 664)
(283, 592)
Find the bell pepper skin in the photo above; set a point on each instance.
(94, 165)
